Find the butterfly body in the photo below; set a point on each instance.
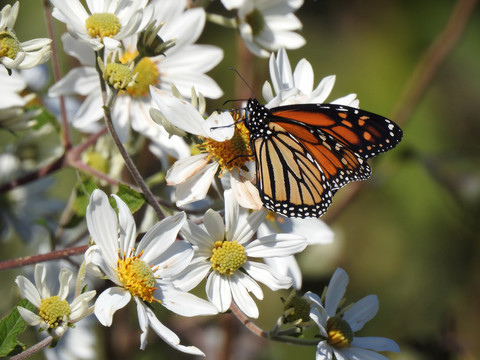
(305, 152)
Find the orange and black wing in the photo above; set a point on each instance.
(305, 152)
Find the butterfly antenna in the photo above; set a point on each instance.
(244, 81)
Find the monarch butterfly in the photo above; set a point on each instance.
(304, 153)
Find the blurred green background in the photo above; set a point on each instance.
(411, 236)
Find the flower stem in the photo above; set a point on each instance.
(34, 349)
(67, 140)
(128, 160)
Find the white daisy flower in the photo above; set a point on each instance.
(13, 53)
(13, 115)
(106, 22)
(184, 64)
(314, 230)
(225, 252)
(224, 146)
(297, 87)
(140, 272)
(338, 326)
(268, 25)
(55, 314)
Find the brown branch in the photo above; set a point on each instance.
(248, 323)
(67, 140)
(54, 255)
(419, 81)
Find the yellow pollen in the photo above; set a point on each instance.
(102, 25)
(340, 334)
(137, 277)
(233, 153)
(9, 45)
(147, 75)
(227, 257)
(54, 311)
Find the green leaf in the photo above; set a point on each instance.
(43, 118)
(133, 199)
(84, 189)
(10, 327)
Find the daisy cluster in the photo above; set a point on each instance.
(211, 245)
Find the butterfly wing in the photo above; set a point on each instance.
(363, 132)
(312, 150)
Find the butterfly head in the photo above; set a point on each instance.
(256, 116)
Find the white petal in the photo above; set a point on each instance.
(175, 259)
(276, 245)
(324, 351)
(159, 238)
(241, 296)
(361, 312)
(196, 187)
(218, 291)
(320, 320)
(266, 275)
(323, 89)
(219, 126)
(214, 225)
(197, 236)
(184, 303)
(128, 229)
(376, 343)
(354, 352)
(64, 278)
(192, 275)
(303, 77)
(180, 113)
(28, 290)
(245, 192)
(40, 283)
(185, 168)
(286, 266)
(231, 215)
(169, 336)
(79, 305)
(142, 321)
(31, 318)
(102, 224)
(247, 226)
(109, 302)
(335, 291)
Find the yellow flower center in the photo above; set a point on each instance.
(227, 257)
(137, 277)
(54, 311)
(118, 75)
(340, 334)
(147, 75)
(256, 21)
(296, 309)
(9, 45)
(233, 153)
(102, 24)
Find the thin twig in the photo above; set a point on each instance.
(54, 255)
(131, 166)
(419, 81)
(67, 140)
(33, 349)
